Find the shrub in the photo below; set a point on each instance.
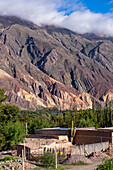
(108, 165)
(48, 159)
(80, 163)
(9, 158)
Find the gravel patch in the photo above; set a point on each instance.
(77, 158)
(101, 155)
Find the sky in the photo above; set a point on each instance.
(82, 16)
(96, 6)
(99, 6)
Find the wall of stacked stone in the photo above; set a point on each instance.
(91, 148)
(92, 136)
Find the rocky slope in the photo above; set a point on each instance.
(49, 66)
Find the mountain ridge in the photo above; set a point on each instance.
(66, 65)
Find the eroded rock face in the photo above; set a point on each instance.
(108, 97)
(47, 67)
(37, 96)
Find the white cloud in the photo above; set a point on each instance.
(40, 12)
(87, 21)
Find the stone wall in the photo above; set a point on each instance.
(88, 149)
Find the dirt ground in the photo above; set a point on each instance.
(32, 166)
(95, 160)
(91, 166)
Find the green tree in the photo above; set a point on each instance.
(12, 134)
(110, 114)
(9, 113)
(85, 123)
(37, 123)
(93, 106)
(2, 96)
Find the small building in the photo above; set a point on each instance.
(51, 139)
(36, 145)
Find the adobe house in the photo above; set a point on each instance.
(49, 139)
(37, 144)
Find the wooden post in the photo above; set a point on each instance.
(84, 149)
(80, 150)
(55, 158)
(94, 146)
(26, 128)
(24, 151)
(22, 159)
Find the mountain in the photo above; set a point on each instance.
(53, 67)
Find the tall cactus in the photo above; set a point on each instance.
(73, 131)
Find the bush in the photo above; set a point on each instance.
(9, 158)
(80, 163)
(108, 165)
(48, 159)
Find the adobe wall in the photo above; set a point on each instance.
(20, 148)
(92, 136)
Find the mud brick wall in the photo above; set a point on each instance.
(92, 136)
(20, 148)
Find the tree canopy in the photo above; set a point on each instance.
(12, 130)
(2, 96)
